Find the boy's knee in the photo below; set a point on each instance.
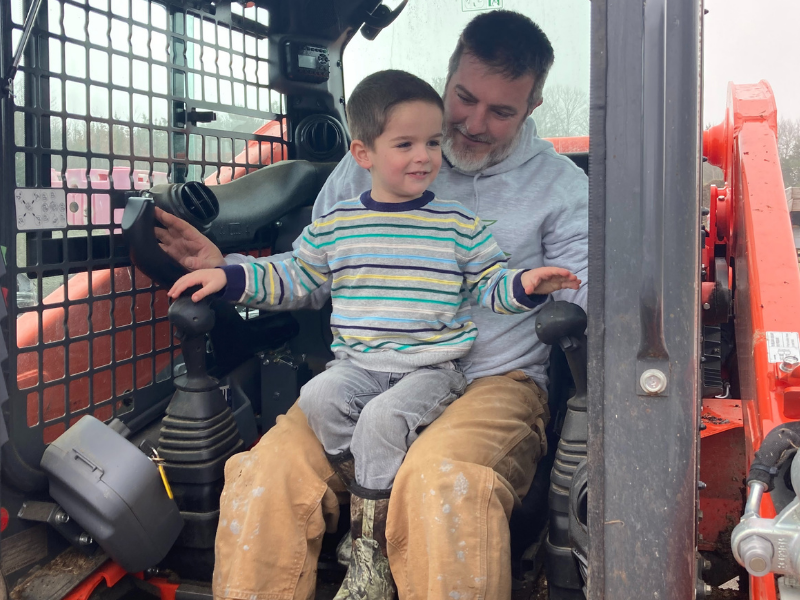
(377, 416)
(321, 409)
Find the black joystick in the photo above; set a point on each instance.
(197, 394)
(199, 432)
(564, 324)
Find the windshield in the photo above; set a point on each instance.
(424, 35)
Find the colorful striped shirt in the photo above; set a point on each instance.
(401, 278)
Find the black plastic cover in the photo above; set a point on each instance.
(112, 490)
(138, 229)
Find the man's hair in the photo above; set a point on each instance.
(371, 102)
(508, 43)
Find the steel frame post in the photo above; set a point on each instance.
(643, 303)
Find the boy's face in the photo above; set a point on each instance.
(407, 156)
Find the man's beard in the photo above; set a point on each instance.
(465, 159)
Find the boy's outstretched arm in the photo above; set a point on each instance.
(261, 283)
(508, 291)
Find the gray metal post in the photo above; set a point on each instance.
(644, 304)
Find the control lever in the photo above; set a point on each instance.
(564, 324)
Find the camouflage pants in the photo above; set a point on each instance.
(447, 527)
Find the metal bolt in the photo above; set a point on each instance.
(653, 381)
(789, 363)
(706, 306)
(757, 564)
(756, 553)
(85, 539)
(62, 517)
(706, 564)
(702, 590)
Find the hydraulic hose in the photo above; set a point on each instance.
(779, 446)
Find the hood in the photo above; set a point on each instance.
(530, 144)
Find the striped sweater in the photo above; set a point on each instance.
(401, 277)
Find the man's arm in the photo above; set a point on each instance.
(566, 239)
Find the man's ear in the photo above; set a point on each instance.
(359, 151)
(535, 106)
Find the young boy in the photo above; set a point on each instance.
(403, 265)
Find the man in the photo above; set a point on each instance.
(447, 529)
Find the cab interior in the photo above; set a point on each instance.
(114, 97)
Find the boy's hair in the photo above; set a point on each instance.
(508, 43)
(371, 102)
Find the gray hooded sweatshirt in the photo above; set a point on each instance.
(535, 204)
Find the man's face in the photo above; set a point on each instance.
(484, 112)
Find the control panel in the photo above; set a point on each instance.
(307, 63)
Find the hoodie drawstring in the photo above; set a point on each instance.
(477, 197)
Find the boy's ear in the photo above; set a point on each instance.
(359, 151)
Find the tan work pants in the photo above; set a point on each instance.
(447, 528)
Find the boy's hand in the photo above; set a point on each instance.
(546, 280)
(210, 280)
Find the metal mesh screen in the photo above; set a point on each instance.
(112, 96)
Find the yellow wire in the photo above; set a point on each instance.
(166, 483)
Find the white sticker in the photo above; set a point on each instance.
(40, 209)
(470, 5)
(781, 344)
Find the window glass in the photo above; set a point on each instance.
(424, 35)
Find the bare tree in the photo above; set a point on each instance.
(564, 112)
(789, 151)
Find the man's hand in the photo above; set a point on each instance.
(546, 280)
(185, 244)
(210, 280)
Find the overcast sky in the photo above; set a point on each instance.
(423, 37)
(746, 41)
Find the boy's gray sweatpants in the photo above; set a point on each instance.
(377, 415)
